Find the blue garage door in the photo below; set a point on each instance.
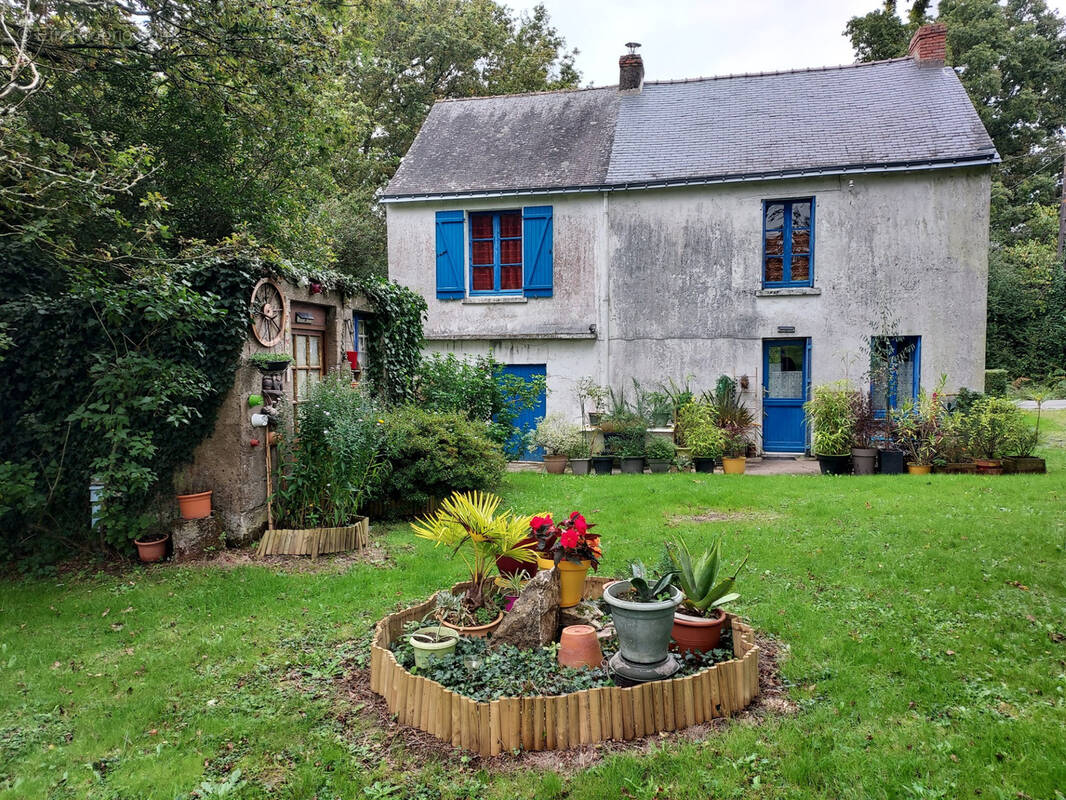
(528, 418)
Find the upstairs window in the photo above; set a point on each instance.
(496, 252)
(895, 364)
(788, 243)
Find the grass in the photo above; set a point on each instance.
(921, 617)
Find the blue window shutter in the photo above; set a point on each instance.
(537, 251)
(450, 255)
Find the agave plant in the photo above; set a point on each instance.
(698, 577)
(468, 523)
(648, 592)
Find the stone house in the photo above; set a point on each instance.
(772, 226)
(320, 329)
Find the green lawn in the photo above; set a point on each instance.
(921, 617)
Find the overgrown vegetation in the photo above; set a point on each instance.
(1009, 56)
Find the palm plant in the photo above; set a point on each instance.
(468, 523)
(698, 577)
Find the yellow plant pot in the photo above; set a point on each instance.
(544, 563)
(572, 582)
(734, 466)
(919, 469)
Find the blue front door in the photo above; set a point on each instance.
(527, 418)
(786, 367)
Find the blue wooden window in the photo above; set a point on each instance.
(496, 252)
(895, 367)
(788, 243)
(449, 226)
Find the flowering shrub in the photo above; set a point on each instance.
(557, 435)
(569, 539)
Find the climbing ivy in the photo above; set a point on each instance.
(394, 331)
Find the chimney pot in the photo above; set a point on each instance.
(929, 45)
(631, 70)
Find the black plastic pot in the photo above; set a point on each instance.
(657, 466)
(891, 462)
(835, 465)
(270, 367)
(580, 466)
(633, 465)
(703, 464)
(601, 465)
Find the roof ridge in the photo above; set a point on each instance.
(524, 94)
(800, 70)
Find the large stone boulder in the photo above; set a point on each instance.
(534, 618)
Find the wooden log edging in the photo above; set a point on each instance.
(559, 722)
(315, 541)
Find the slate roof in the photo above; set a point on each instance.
(877, 116)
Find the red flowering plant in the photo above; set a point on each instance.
(569, 539)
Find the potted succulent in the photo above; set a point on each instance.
(699, 625)
(269, 363)
(571, 548)
(480, 622)
(152, 547)
(468, 525)
(432, 643)
(511, 587)
(556, 435)
(580, 455)
(642, 610)
(194, 498)
(864, 432)
(829, 415)
(659, 452)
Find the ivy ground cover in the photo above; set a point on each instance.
(923, 618)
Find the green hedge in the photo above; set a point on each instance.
(996, 382)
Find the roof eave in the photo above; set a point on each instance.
(984, 159)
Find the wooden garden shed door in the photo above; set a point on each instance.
(308, 348)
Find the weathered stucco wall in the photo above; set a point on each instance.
(227, 462)
(672, 281)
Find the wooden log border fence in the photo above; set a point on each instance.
(561, 721)
(314, 541)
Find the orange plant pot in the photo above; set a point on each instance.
(698, 634)
(579, 647)
(150, 552)
(195, 506)
(476, 631)
(734, 466)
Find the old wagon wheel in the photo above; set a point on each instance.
(268, 313)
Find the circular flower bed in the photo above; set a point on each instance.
(554, 708)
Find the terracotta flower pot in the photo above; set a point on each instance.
(919, 469)
(734, 466)
(150, 552)
(697, 633)
(555, 465)
(195, 506)
(476, 631)
(572, 582)
(579, 647)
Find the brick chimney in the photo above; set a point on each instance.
(631, 70)
(929, 45)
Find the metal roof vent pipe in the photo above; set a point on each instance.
(929, 45)
(631, 70)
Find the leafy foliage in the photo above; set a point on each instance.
(698, 577)
(700, 431)
(659, 448)
(829, 414)
(503, 670)
(331, 462)
(994, 427)
(557, 435)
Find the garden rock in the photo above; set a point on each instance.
(196, 538)
(584, 613)
(533, 620)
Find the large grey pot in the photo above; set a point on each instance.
(643, 628)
